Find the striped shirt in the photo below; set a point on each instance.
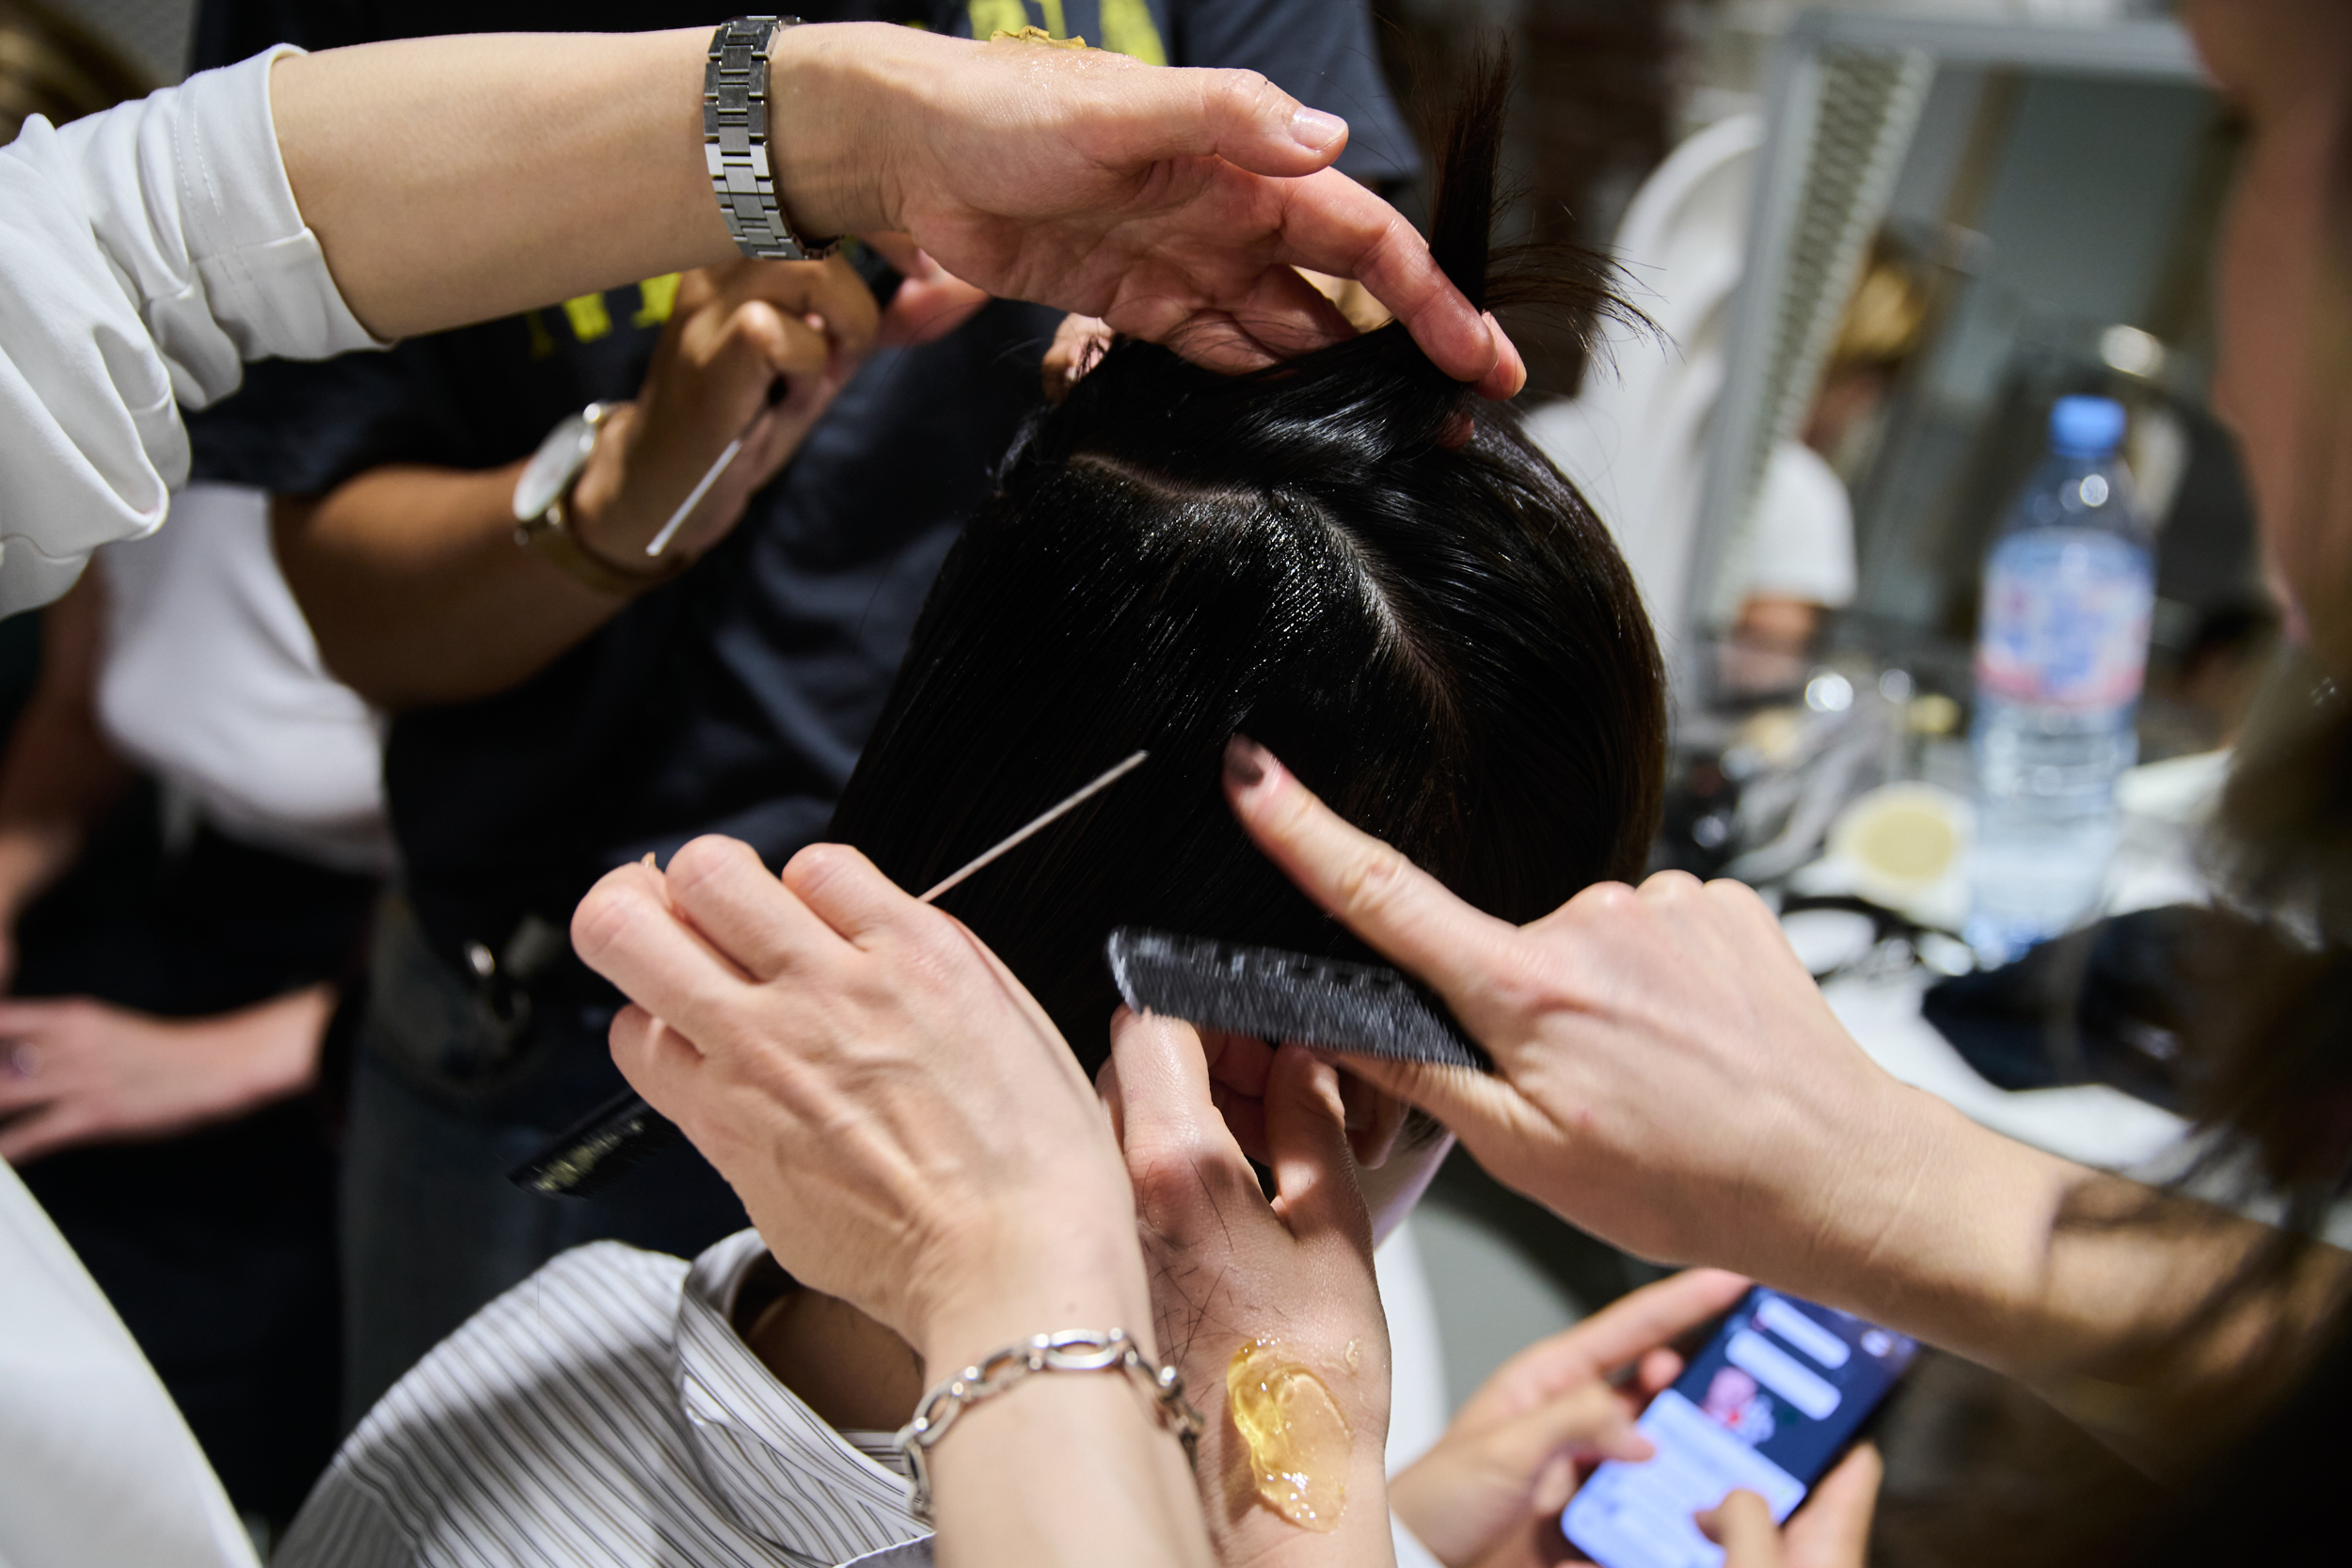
(605, 1414)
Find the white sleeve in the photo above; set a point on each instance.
(96, 1465)
(145, 253)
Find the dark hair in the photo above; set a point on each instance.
(1351, 558)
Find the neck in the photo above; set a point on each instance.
(846, 1367)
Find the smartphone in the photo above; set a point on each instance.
(1777, 1393)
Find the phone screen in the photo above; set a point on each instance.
(1779, 1390)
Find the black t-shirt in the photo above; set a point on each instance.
(735, 699)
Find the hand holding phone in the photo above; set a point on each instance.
(1782, 1387)
(1490, 1492)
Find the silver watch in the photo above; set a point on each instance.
(547, 477)
(735, 142)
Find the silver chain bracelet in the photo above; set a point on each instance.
(1078, 1350)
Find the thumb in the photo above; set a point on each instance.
(1402, 910)
(1306, 1131)
(1492, 1118)
(1743, 1526)
(1235, 114)
(1833, 1529)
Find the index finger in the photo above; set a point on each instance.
(1628, 1328)
(1656, 1315)
(1741, 1524)
(1402, 910)
(626, 930)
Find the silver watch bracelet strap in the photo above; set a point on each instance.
(1070, 1351)
(736, 124)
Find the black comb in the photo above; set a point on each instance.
(1362, 1008)
(592, 1153)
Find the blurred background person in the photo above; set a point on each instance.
(1637, 435)
(190, 843)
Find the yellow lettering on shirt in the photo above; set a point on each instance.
(542, 341)
(659, 296)
(1053, 19)
(1127, 29)
(997, 16)
(589, 318)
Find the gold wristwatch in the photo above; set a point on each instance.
(545, 484)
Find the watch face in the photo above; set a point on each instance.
(552, 466)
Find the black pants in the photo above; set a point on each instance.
(217, 1248)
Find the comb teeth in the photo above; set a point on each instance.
(615, 1138)
(1275, 996)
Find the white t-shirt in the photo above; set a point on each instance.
(211, 680)
(145, 254)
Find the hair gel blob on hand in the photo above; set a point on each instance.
(1299, 1443)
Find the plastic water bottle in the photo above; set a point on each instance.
(2062, 653)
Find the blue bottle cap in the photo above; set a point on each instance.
(2085, 427)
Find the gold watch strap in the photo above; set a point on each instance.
(550, 536)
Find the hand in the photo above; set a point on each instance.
(77, 1071)
(737, 335)
(1831, 1531)
(1391, 1179)
(904, 1124)
(1489, 1495)
(1173, 204)
(1670, 1077)
(1227, 1267)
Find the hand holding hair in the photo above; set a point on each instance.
(911, 1135)
(1173, 203)
(907, 1130)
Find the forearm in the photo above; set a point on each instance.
(2087, 1287)
(513, 153)
(413, 584)
(455, 179)
(1064, 1468)
(265, 1052)
(59, 775)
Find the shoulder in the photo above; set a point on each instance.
(541, 1432)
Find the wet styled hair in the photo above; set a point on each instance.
(1349, 557)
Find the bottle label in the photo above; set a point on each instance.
(2066, 614)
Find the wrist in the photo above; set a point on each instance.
(1938, 1226)
(983, 1298)
(836, 91)
(31, 861)
(598, 508)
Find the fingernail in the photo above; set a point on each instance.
(1245, 762)
(1316, 130)
(1508, 353)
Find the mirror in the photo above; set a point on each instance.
(1953, 225)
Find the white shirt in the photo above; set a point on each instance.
(145, 253)
(97, 1470)
(211, 680)
(1637, 439)
(605, 1414)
